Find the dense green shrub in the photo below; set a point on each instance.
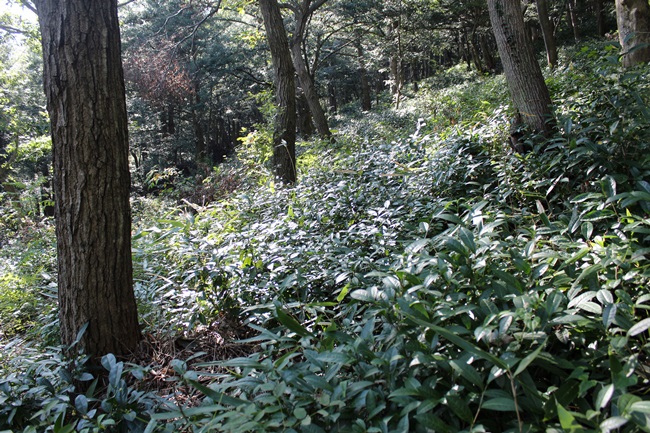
(429, 280)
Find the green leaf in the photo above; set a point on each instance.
(81, 404)
(524, 363)
(501, 404)
(300, 413)
(460, 342)
(187, 412)
(292, 324)
(640, 406)
(467, 237)
(217, 396)
(459, 407)
(612, 423)
(604, 396)
(609, 315)
(416, 246)
(568, 421)
(467, 372)
(609, 186)
(639, 328)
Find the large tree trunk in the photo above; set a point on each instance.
(633, 18)
(84, 84)
(523, 74)
(284, 136)
(547, 33)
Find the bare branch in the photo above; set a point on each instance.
(192, 34)
(292, 7)
(317, 4)
(13, 30)
(29, 5)
(124, 3)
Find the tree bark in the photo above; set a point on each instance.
(600, 17)
(284, 136)
(633, 19)
(84, 85)
(547, 33)
(523, 74)
(490, 64)
(366, 102)
(573, 19)
(309, 89)
(302, 12)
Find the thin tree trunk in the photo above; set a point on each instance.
(475, 53)
(490, 64)
(600, 17)
(633, 19)
(199, 134)
(523, 74)
(284, 136)
(573, 19)
(331, 98)
(84, 84)
(305, 126)
(309, 90)
(366, 102)
(547, 33)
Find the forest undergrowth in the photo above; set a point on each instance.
(421, 277)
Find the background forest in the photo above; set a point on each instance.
(434, 265)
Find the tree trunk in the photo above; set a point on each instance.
(475, 53)
(395, 61)
(366, 101)
(305, 126)
(309, 90)
(573, 17)
(490, 64)
(284, 136)
(600, 17)
(633, 18)
(547, 33)
(200, 148)
(302, 13)
(84, 84)
(332, 100)
(523, 74)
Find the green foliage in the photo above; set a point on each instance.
(415, 286)
(51, 393)
(429, 280)
(17, 306)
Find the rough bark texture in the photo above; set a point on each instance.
(547, 33)
(302, 12)
(84, 84)
(633, 18)
(523, 74)
(284, 136)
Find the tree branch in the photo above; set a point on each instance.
(124, 3)
(293, 8)
(13, 30)
(29, 5)
(315, 6)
